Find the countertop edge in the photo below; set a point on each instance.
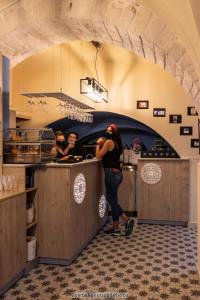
(64, 165)
(163, 159)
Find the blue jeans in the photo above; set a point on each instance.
(112, 182)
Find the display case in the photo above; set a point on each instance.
(28, 145)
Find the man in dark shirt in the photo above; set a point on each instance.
(72, 146)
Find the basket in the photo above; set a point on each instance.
(30, 214)
(31, 247)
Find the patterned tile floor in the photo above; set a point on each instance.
(155, 262)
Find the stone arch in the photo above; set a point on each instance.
(26, 27)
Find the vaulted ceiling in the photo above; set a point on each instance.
(163, 31)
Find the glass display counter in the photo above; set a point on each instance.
(28, 145)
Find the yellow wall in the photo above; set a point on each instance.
(55, 68)
(126, 76)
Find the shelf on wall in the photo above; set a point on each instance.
(31, 225)
(21, 116)
(28, 190)
(59, 96)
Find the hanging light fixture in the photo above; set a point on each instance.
(92, 88)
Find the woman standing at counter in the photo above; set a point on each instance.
(109, 150)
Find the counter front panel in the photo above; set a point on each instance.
(168, 199)
(65, 225)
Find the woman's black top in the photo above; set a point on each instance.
(112, 158)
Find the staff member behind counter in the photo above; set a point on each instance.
(63, 148)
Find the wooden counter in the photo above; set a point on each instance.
(168, 199)
(65, 226)
(126, 192)
(12, 238)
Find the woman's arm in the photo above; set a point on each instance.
(69, 147)
(107, 146)
(54, 150)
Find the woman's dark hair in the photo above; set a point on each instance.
(116, 136)
(72, 132)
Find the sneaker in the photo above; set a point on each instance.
(117, 233)
(129, 226)
(109, 231)
(113, 232)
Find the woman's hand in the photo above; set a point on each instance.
(100, 141)
(71, 145)
(64, 158)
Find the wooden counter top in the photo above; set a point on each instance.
(19, 165)
(163, 159)
(64, 165)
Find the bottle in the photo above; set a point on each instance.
(130, 155)
(125, 154)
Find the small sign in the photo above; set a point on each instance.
(194, 143)
(175, 119)
(142, 104)
(159, 112)
(186, 130)
(191, 111)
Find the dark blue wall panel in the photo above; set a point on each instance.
(129, 128)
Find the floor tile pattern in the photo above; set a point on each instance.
(155, 262)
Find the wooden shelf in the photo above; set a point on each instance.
(28, 190)
(22, 116)
(31, 225)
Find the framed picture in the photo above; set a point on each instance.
(186, 130)
(191, 111)
(175, 119)
(159, 112)
(142, 104)
(194, 143)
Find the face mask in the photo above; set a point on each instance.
(61, 143)
(109, 135)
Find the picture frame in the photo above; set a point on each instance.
(159, 112)
(142, 104)
(175, 119)
(195, 143)
(191, 111)
(186, 130)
